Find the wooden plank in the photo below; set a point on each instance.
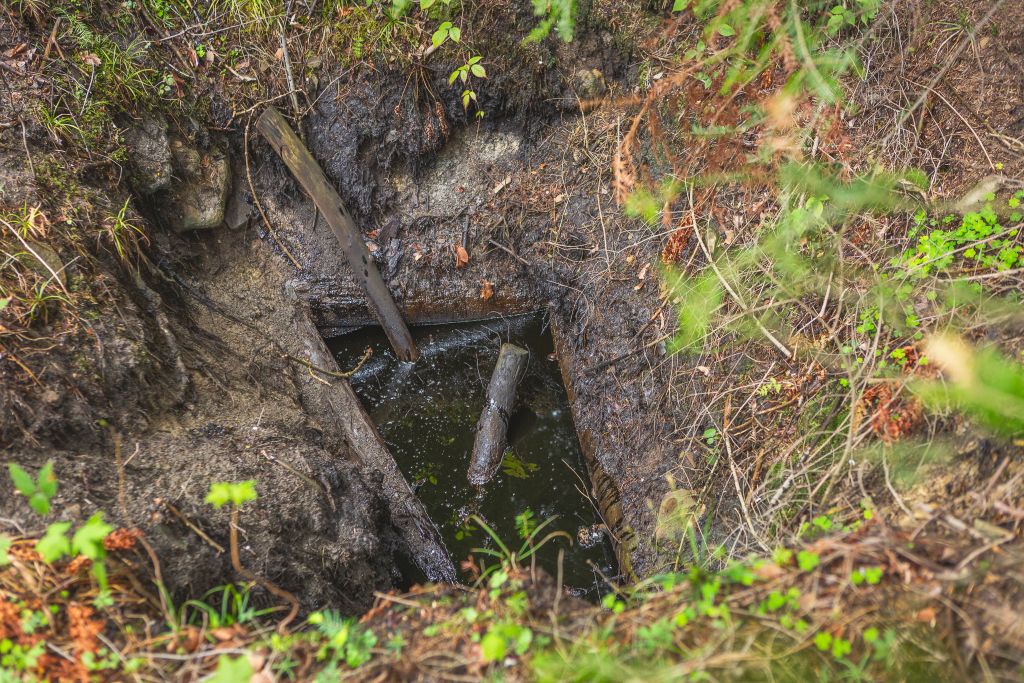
(333, 396)
(492, 428)
(307, 171)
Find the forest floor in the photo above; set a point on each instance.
(757, 292)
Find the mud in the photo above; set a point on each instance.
(519, 194)
(187, 374)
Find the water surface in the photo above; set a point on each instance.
(427, 413)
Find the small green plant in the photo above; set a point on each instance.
(234, 607)
(235, 494)
(39, 491)
(529, 547)
(123, 233)
(710, 436)
(525, 523)
(807, 561)
(445, 32)
(848, 13)
(231, 670)
(505, 637)
(979, 239)
(346, 641)
(770, 386)
(559, 15)
(869, 575)
(471, 69)
(514, 466)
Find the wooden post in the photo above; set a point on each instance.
(303, 166)
(492, 428)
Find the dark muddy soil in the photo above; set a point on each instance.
(200, 367)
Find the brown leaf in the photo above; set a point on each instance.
(223, 633)
(486, 290)
(927, 615)
(766, 571)
(461, 256)
(91, 59)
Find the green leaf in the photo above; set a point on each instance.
(807, 561)
(680, 5)
(478, 71)
(39, 503)
(22, 480)
(455, 33)
(222, 493)
(426, 4)
(232, 670)
(5, 545)
(4, 302)
(726, 30)
(88, 539)
(54, 544)
(493, 647)
(47, 480)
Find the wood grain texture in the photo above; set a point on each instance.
(307, 171)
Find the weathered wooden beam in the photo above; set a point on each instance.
(307, 171)
(492, 427)
(333, 397)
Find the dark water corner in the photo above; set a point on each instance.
(427, 413)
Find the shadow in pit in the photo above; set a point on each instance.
(427, 413)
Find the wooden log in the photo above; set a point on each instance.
(333, 397)
(492, 427)
(304, 167)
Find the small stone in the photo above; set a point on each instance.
(198, 200)
(149, 155)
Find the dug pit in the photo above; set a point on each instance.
(427, 413)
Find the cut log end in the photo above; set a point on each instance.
(492, 427)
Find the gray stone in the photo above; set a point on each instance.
(197, 198)
(149, 155)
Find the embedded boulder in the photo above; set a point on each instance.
(149, 155)
(197, 198)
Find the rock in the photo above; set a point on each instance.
(43, 259)
(149, 155)
(237, 214)
(197, 198)
(589, 83)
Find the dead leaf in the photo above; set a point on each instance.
(927, 615)
(461, 256)
(279, 54)
(486, 290)
(91, 59)
(766, 571)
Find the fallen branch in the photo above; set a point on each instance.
(304, 167)
(492, 428)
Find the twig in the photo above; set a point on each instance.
(721, 278)
(509, 252)
(259, 206)
(236, 562)
(199, 532)
(331, 373)
(290, 80)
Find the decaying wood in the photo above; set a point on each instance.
(492, 427)
(334, 397)
(304, 167)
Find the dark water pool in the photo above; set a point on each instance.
(427, 413)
